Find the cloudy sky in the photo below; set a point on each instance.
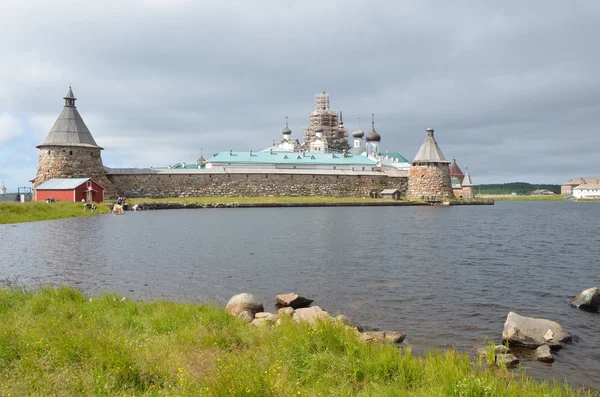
(512, 88)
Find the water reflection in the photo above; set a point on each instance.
(445, 276)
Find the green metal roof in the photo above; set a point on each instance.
(289, 158)
(395, 156)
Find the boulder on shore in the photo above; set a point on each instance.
(292, 300)
(588, 300)
(533, 332)
(383, 336)
(311, 314)
(242, 303)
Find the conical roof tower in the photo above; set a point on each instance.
(430, 152)
(429, 175)
(455, 171)
(70, 129)
(466, 182)
(70, 151)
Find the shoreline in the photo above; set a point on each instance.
(62, 340)
(11, 213)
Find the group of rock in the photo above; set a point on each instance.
(248, 308)
(538, 337)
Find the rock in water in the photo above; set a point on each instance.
(292, 300)
(543, 353)
(242, 303)
(532, 332)
(589, 300)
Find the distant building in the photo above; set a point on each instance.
(588, 190)
(326, 121)
(70, 189)
(464, 188)
(542, 192)
(292, 160)
(390, 194)
(567, 187)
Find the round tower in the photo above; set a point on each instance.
(70, 151)
(429, 176)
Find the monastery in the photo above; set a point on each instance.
(324, 163)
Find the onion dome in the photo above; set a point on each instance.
(358, 132)
(319, 129)
(286, 130)
(373, 136)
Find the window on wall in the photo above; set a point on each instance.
(70, 152)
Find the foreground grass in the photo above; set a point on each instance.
(37, 211)
(58, 341)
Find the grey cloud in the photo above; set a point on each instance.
(511, 88)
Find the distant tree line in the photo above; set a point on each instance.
(521, 188)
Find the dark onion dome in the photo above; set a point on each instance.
(358, 132)
(373, 136)
(319, 129)
(286, 130)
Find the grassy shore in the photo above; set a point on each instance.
(508, 197)
(255, 200)
(38, 211)
(59, 341)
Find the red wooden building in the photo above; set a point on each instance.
(71, 189)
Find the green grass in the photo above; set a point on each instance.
(59, 341)
(38, 211)
(507, 197)
(255, 200)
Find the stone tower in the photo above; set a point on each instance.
(327, 118)
(429, 175)
(70, 151)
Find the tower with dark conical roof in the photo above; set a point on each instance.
(455, 172)
(429, 176)
(69, 150)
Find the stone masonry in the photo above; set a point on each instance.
(71, 162)
(429, 181)
(258, 184)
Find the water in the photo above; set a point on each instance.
(446, 276)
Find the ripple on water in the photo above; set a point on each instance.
(445, 276)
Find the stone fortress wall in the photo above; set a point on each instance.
(251, 184)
